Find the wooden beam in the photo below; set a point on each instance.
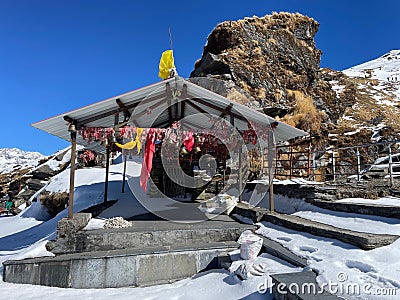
(72, 176)
(169, 97)
(216, 107)
(228, 108)
(198, 108)
(138, 115)
(110, 112)
(69, 120)
(127, 113)
(184, 96)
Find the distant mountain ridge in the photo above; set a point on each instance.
(385, 69)
(14, 158)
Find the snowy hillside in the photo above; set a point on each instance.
(385, 69)
(14, 158)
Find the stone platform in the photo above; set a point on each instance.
(152, 251)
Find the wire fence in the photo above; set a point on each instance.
(358, 162)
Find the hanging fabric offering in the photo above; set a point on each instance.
(132, 144)
(148, 158)
(139, 132)
(189, 141)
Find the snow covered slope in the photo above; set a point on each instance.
(14, 158)
(385, 69)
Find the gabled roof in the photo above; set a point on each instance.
(158, 105)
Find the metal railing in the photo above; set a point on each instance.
(294, 161)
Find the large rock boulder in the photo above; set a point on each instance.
(263, 57)
(43, 172)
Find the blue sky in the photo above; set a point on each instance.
(60, 55)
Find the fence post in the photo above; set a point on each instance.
(333, 166)
(313, 166)
(358, 165)
(390, 166)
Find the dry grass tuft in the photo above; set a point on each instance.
(305, 115)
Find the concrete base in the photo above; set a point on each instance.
(117, 268)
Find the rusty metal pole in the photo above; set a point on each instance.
(309, 160)
(333, 166)
(291, 162)
(358, 165)
(72, 176)
(240, 174)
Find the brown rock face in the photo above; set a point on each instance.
(263, 58)
(272, 64)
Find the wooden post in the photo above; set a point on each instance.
(72, 176)
(107, 169)
(124, 175)
(271, 146)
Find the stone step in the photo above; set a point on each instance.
(118, 268)
(299, 286)
(358, 208)
(323, 196)
(365, 241)
(147, 233)
(279, 251)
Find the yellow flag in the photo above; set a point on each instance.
(166, 64)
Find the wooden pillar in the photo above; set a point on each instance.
(124, 175)
(107, 171)
(72, 176)
(271, 147)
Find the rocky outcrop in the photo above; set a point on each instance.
(271, 63)
(264, 57)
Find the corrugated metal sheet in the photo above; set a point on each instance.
(154, 96)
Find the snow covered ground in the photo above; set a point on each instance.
(25, 236)
(375, 272)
